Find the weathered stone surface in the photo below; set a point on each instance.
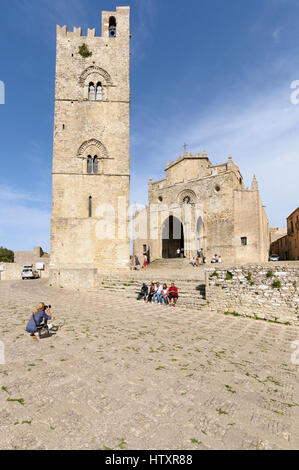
(256, 294)
(91, 128)
(121, 373)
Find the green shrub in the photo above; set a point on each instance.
(214, 275)
(6, 256)
(276, 284)
(249, 277)
(84, 51)
(228, 276)
(234, 314)
(270, 274)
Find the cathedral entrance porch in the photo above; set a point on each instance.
(172, 237)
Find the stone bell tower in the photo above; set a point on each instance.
(91, 156)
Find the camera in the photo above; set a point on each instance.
(47, 306)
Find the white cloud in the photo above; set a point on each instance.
(260, 131)
(24, 220)
(9, 194)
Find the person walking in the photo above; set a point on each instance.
(145, 262)
(137, 263)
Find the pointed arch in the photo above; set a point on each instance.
(102, 151)
(95, 69)
(187, 197)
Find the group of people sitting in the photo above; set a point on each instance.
(159, 294)
(201, 259)
(216, 259)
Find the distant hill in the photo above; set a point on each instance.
(6, 256)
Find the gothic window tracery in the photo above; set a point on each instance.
(99, 93)
(92, 165)
(89, 164)
(91, 92)
(187, 200)
(95, 165)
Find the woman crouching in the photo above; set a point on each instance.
(37, 318)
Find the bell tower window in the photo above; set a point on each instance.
(91, 92)
(95, 165)
(99, 94)
(112, 27)
(89, 165)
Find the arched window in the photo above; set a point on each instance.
(89, 164)
(91, 92)
(112, 27)
(99, 92)
(95, 165)
(90, 207)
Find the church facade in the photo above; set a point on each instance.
(91, 155)
(201, 205)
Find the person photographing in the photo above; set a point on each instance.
(41, 314)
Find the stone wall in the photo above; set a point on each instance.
(35, 256)
(268, 292)
(73, 278)
(13, 271)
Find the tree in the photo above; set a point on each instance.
(6, 256)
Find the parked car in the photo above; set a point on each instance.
(274, 258)
(29, 273)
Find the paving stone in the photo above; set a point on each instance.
(119, 373)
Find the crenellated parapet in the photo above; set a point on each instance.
(187, 155)
(115, 24)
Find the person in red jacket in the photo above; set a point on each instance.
(172, 294)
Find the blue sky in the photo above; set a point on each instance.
(214, 74)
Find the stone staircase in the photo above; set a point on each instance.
(176, 264)
(191, 291)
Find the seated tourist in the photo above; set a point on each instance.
(143, 293)
(164, 294)
(214, 259)
(219, 259)
(151, 293)
(172, 294)
(193, 261)
(157, 295)
(39, 315)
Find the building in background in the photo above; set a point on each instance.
(38, 259)
(201, 205)
(287, 246)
